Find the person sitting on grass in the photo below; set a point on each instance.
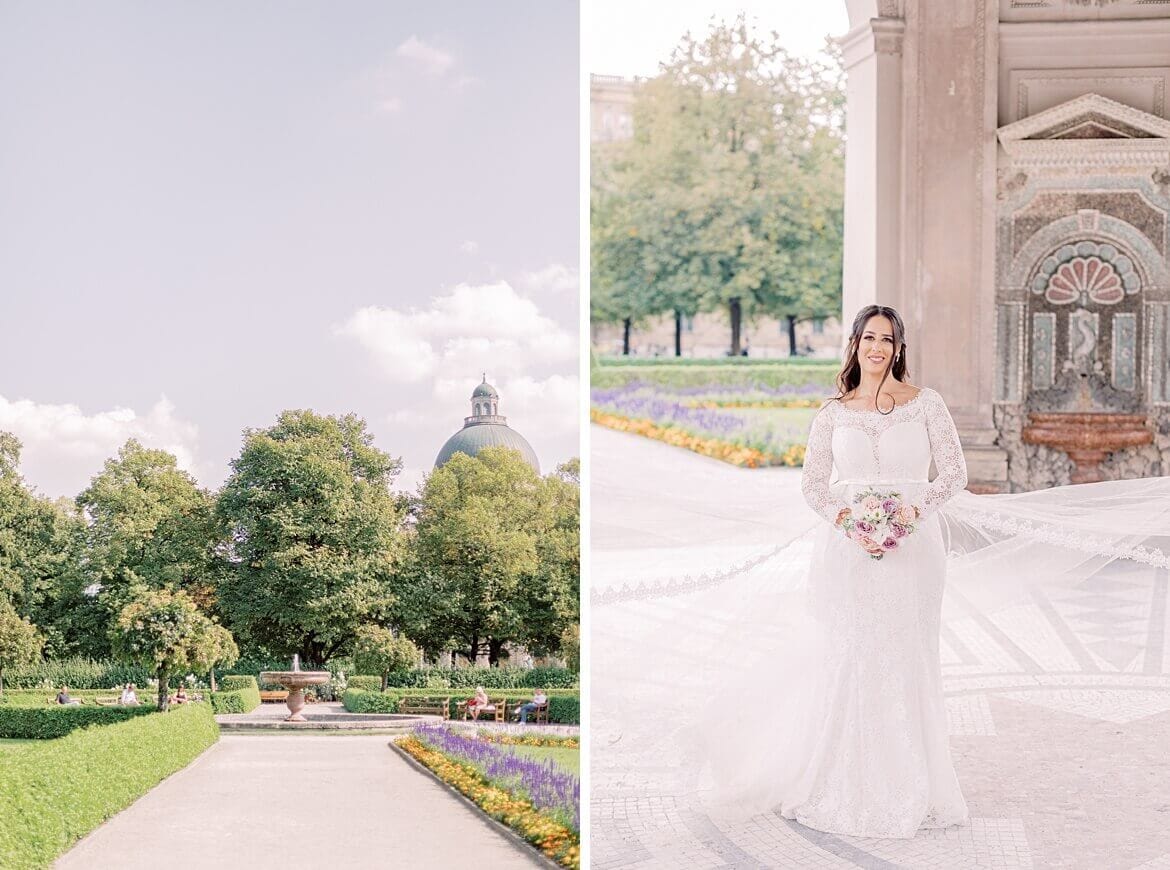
(180, 696)
(476, 705)
(63, 697)
(129, 696)
(539, 699)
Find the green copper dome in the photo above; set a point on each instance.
(486, 428)
(475, 436)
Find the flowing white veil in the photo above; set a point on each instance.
(699, 664)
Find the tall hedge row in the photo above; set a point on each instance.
(46, 723)
(469, 678)
(240, 695)
(55, 792)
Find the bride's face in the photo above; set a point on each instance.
(876, 349)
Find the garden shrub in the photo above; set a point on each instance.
(564, 705)
(364, 683)
(772, 374)
(46, 723)
(236, 682)
(76, 673)
(243, 700)
(489, 678)
(53, 794)
(358, 701)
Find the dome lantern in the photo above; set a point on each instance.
(486, 427)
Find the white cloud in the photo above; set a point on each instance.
(469, 247)
(391, 106)
(555, 278)
(434, 60)
(64, 447)
(474, 327)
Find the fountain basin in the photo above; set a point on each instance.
(295, 681)
(1087, 438)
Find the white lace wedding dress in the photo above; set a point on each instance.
(805, 680)
(878, 762)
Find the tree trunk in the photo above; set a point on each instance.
(474, 657)
(164, 700)
(735, 311)
(627, 325)
(792, 335)
(495, 647)
(385, 679)
(678, 319)
(212, 674)
(1, 682)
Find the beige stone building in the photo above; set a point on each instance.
(1007, 189)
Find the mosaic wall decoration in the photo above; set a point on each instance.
(1043, 350)
(1124, 363)
(1158, 343)
(1010, 352)
(1086, 272)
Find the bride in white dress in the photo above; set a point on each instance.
(806, 681)
(878, 762)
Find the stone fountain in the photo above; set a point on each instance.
(295, 681)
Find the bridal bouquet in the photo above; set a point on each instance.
(881, 520)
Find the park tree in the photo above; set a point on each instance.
(166, 631)
(148, 524)
(20, 642)
(553, 593)
(378, 650)
(216, 649)
(487, 554)
(729, 194)
(314, 535)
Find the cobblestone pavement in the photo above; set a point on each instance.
(1059, 714)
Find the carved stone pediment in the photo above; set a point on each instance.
(1089, 130)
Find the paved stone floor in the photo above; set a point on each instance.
(1059, 714)
(297, 801)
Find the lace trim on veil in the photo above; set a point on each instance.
(1051, 533)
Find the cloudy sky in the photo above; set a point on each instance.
(630, 37)
(210, 212)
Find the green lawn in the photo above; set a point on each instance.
(7, 744)
(568, 760)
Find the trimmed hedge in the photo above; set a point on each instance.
(770, 374)
(239, 701)
(469, 678)
(76, 673)
(235, 682)
(564, 706)
(46, 723)
(54, 793)
(359, 701)
(36, 697)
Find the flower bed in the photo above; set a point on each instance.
(750, 425)
(508, 738)
(538, 800)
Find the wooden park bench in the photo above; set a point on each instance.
(277, 695)
(539, 716)
(494, 710)
(432, 706)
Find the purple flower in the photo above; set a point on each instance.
(864, 527)
(898, 529)
(890, 506)
(890, 543)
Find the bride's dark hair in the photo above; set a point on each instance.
(849, 377)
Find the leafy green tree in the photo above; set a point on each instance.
(553, 592)
(729, 194)
(40, 552)
(148, 525)
(217, 648)
(491, 556)
(20, 642)
(377, 650)
(164, 630)
(314, 535)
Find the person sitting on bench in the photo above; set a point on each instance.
(539, 699)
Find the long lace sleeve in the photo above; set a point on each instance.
(818, 467)
(947, 453)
